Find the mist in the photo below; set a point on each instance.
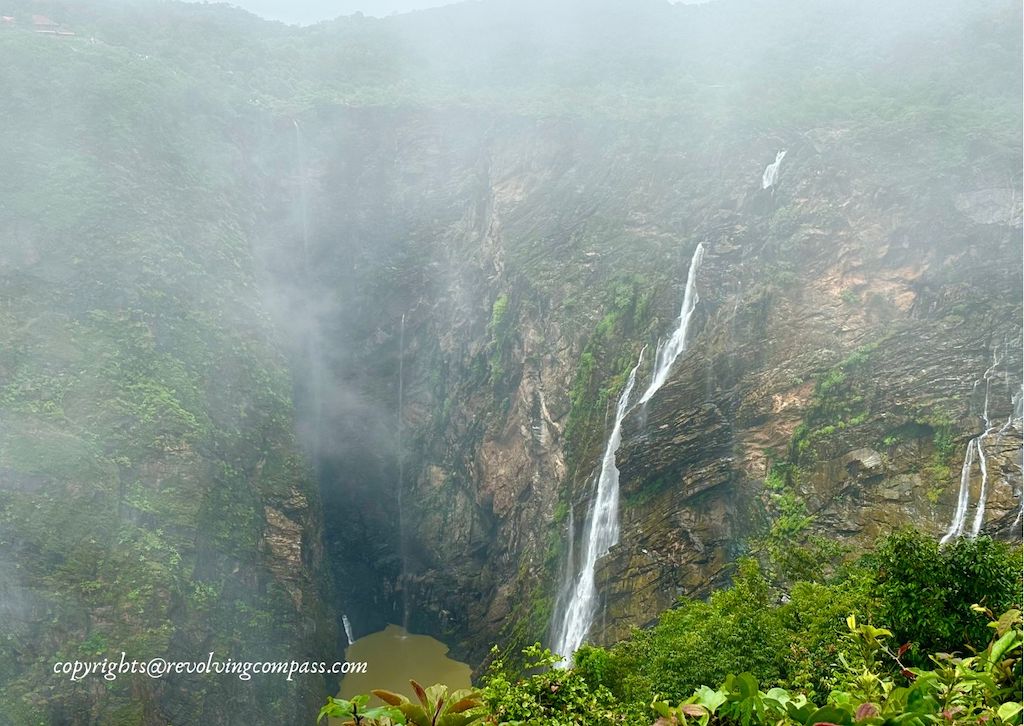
(314, 11)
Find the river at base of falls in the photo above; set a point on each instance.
(393, 656)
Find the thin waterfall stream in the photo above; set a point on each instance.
(976, 451)
(669, 352)
(577, 602)
(401, 473)
(602, 532)
(348, 629)
(771, 172)
(313, 350)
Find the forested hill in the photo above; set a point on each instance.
(761, 62)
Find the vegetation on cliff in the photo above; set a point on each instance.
(909, 633)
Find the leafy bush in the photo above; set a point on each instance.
(550, 695)
(819, 642)
(738, 628)
(979, 689)
(436, 707)
(925, 591)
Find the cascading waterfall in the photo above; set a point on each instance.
(979, 512)
(601, 534)
(577, 603)
(313, 350)
(313, 353)
(401, 474)
(1018, 415)
(771, 172)
(976, 451)
(956, 528)
(565, 590)
(668, 352)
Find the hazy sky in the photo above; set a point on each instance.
(311, 11)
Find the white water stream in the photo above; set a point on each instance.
(976, 451)
(771, 172)
(578, 598)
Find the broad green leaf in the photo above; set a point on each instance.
(709, 698)
(1002, 646)
(747, 685)
(829, 714)
(1010, 711)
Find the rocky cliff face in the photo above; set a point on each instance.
(845, 318)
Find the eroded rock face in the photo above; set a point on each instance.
(847, 309)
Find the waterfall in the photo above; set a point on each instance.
(577, 601)
(979, 512)
(601, 533)
(668, 352)
(401, 475)
(568, 572)
(771, 172)
(313, 353)
(976, 450)
(348, 629)
(960, 515)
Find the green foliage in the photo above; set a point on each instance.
(841, 400)
(355, 712)
(926, 591)
(792, 552)
(775, 480)
(738, 628)
(548, 695)
(603, 365)
(822, 644)
(814, 618)
(436, 707)
(500, 330)
(793, 635)
(979, 689)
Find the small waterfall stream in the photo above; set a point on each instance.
(313, 351)
(976, 451)
(403, 554)
(669, 351)
(348, 629)
(771, 172)
(577, 603)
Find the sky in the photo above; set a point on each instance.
(312, 11)
(305, 12)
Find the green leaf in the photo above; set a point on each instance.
(1010, 711)
(747, 685)
(1006, 643)
(662, 708)
(828, 714)
(710, 699)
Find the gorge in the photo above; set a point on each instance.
(504, 322)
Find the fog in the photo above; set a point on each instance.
(305, 12)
